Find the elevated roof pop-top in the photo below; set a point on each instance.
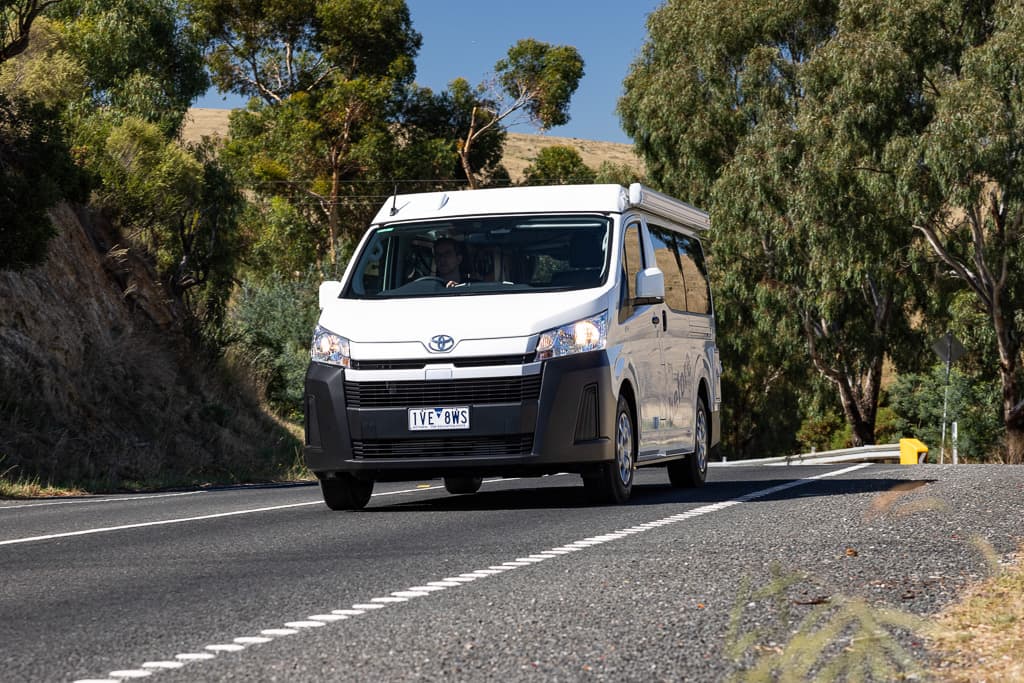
(545, 199)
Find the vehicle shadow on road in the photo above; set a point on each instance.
(558, 497)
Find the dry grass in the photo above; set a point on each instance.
(31, 488)
(981, 637)
(520, 148)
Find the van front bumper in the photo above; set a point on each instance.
(557, 420)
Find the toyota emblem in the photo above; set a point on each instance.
(441, 343)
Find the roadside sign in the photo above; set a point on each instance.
(948, 348)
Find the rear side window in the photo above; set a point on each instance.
(681, 259)
(666, 257)
(695, 273)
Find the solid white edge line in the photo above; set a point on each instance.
(83, 501)
(162, 522)
(199, 518)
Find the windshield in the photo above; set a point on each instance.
(483, 256)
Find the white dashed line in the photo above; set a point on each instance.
(320, 620)
(250, 640)
(304, 624)
(195, 656)
(327, 618)
(225, 647)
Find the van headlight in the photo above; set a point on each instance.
(329, 348)
(589, 334)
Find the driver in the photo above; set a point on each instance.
(448, 261)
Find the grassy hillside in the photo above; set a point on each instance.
(520, 148)
(99, 388)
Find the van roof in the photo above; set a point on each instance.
(539, 199)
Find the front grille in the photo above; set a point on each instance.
(445, 447)
(464, 362)
(479, 391)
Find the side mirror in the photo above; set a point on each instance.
(329, 291)
(650, 286)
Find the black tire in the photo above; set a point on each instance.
(692, 471)
(463, 484)
(345, 492)
(613, 482)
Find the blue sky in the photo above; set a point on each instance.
(465, 38)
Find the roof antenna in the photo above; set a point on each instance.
(394, 200)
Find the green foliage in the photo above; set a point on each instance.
(820, 432)
(139, 56)
(432, 125)
(917, 401)
(618, 174)
(323, 138)
(272, 324)
(814, 133)
(44, 72)
(960, 179)
(542, 77)
(272, 50)
(178, 204)
(36, 171)
(558, 165)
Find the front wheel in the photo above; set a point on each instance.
(692, 471)
(463, 484)
(345, 492)
(613, 482)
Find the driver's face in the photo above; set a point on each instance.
(445, 258)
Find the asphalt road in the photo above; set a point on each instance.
(522, 581)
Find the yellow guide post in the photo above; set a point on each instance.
(912, 451)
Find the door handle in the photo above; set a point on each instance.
(664, 321)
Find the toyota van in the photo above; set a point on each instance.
(517, 332)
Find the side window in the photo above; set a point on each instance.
(632, 264)
(667, 259)
(695, 273)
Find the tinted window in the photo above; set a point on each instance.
(632, 264)
(666, 257)
(695, 273)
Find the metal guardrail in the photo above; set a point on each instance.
(877, 453)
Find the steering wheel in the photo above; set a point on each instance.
(431, 277)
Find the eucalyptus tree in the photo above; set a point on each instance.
(751, 109)
(558, 165)
(534, 79)
(434, 125)
(331, 70)
(962, 178)
(139, 57)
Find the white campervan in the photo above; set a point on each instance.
(517, 332)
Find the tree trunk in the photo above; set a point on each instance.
(464, 146)
(1013, 418)
(333, 219)
(861, 421)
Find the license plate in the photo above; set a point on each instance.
(438, 418)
